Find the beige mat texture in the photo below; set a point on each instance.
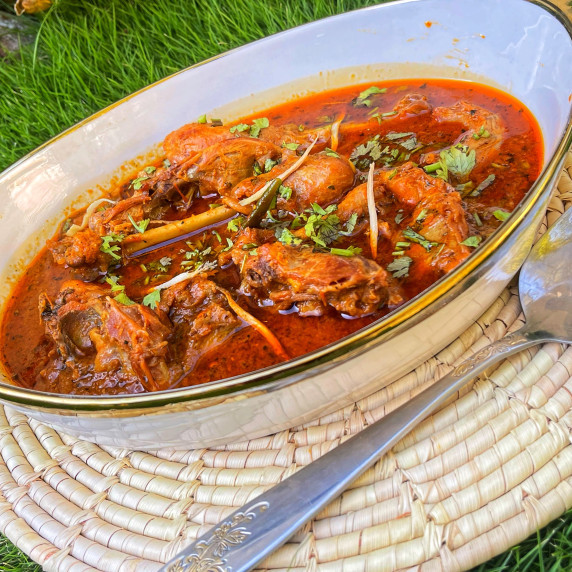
(479, 476)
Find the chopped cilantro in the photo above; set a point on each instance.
(202, 118)
(140, 226)
(388, 114)
(284, 192)
(330, 153)
(400, 267)
(399, 217)
(392, 135)
(418, 238)
(166, 163)
(350, 224)
(458, 160)
(216, 122)
(229, 245)
(256, 168)
(478, 220)
(269, 164)
(501, 215)
(122, 298)
(257, 125)
(482, 186)
(150, 169)
(363, 99)
(291, 146)
(109, 245)
(234, 224)
(138, 183)
(409, 144)
(350, 251)
(286, 237)
(152, 299)
(403, 244)
(472, 241)
(422, 215)
(239, 128)
(217, 235)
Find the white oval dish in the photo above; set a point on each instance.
(528, 55)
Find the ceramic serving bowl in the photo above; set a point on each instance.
(521, 47)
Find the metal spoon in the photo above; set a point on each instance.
(259, 527)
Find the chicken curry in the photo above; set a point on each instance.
(254, 242)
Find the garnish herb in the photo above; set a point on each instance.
(140, 226)
(392, 135)
(217, 235)
(363, 99)
(269, 164)
(257, 125)
(478, 220)
(418, 238)
(287, 238)
(350, 251)
(473, 241)
(482, 186)
(239, 128)
(501, 215)
(285, 192)
(482, 132)
(235, 224)
(109, 245)
(330, 152)
(422, 215)
(138, 183)
(400, 267)
(118, 290)
(202, 118)
(150, 169)
(457, 160)
(291, 146)
(152, 299)
(399, 217)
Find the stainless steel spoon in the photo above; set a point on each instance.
(259, 527)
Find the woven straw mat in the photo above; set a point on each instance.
(482, 474)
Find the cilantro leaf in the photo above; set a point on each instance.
(239, 128)
(257, 125)
(400, 267)
(139, 226)
(473, 241)
(291, 146)
(285, 192)
(152, 299)
(392, 135)
(363, 99)
(109, 246)
(483, 185)
(286, 237)
(501, 215)
(458, 160)
(418, 238)
(202, 118)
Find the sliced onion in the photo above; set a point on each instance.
(373, 230)
(75, 228)
(183, 277)
(335, 133)
(253, 198)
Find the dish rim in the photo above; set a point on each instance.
(349, 347)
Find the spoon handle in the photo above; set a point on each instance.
(255, 530)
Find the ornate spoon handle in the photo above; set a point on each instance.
(258, 528)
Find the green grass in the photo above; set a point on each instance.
(85, 55)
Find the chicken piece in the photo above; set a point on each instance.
(322, 179)
(79, 250)
(432, 208)
(187, 141)
(429, 205)
(223, 165)
(284, 275)
(483, 131)
(201, 319)
(96, 336)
